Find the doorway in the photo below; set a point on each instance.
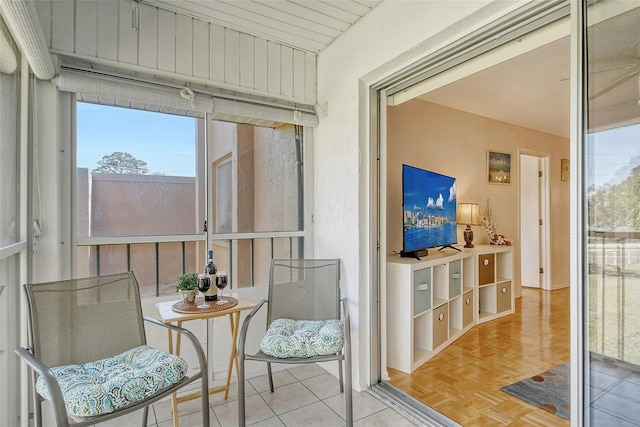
(534, 220)
(426, 113)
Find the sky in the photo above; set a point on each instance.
(612, 154)
(166, 142)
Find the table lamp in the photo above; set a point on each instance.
(469, 214)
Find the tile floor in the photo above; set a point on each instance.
(615, 393)
(305, 395)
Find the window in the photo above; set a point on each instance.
(137, 175)
(256, 179)
(12, 248)
(141, 195)
(610, 194)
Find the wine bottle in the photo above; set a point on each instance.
(211, 270)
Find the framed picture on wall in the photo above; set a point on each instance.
(498, 167)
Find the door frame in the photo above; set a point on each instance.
(532, 16)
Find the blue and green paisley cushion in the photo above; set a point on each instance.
(106, 385)
(303, 338)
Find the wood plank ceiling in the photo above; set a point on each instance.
(310, 25)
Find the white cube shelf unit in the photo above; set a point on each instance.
(439, 291)
(433, 301)
(495, 282)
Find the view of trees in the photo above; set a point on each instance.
(617, 206)
(119, 162)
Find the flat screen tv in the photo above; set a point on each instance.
(429, 211)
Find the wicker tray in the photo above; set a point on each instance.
(189, 308)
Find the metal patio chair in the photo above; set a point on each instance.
(93, 324)
(303, 292)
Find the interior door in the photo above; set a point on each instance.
(529, 222)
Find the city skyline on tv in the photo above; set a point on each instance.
(429, 209)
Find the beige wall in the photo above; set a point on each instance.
(128, 205)
(454, 143)
(138, 205)
(265, 194)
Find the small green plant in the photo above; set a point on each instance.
(187, 282)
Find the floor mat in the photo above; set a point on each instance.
(550, 390)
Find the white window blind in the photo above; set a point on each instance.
(8, 61)
(125, 92)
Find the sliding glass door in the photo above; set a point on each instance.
(611, 212)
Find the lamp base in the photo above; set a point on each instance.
(468, 237)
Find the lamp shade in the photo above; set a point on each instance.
(468, 213)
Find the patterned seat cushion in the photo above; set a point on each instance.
(101, 387)
(303, 338)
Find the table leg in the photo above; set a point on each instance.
(233, 358)
(178, 336)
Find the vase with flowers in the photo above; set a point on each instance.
(490, 226)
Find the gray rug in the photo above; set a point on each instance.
(550, 390)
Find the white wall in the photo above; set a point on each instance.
(52, 173)
(393, 35)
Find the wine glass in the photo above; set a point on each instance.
(204, 283)
(221, 283)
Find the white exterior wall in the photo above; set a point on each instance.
(52, 175)
(395, 34)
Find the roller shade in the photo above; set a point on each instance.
(22, 18)
(8, 61)
(124, 92)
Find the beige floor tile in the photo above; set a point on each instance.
(280, 378)
(323, 386)
(256, 410)
(307, 370)
(288, 398)
(364, 405)
(192, 420)
(385, 418)
(316, 414)
(271, 422)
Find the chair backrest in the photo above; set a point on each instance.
(304, 289)
(82, 320)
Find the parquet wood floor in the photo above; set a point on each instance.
(463, 381)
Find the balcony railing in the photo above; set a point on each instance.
(157, 261)
(614, 294)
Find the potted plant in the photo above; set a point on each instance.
(187, 286)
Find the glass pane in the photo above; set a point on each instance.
(256, 170)
(10, 365)
(10, 222)
(612, 194)
(136, 173)
(9, 163)
(139, 173)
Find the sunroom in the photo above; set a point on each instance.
(136, 135)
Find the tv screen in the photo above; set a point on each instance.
(429, 209)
